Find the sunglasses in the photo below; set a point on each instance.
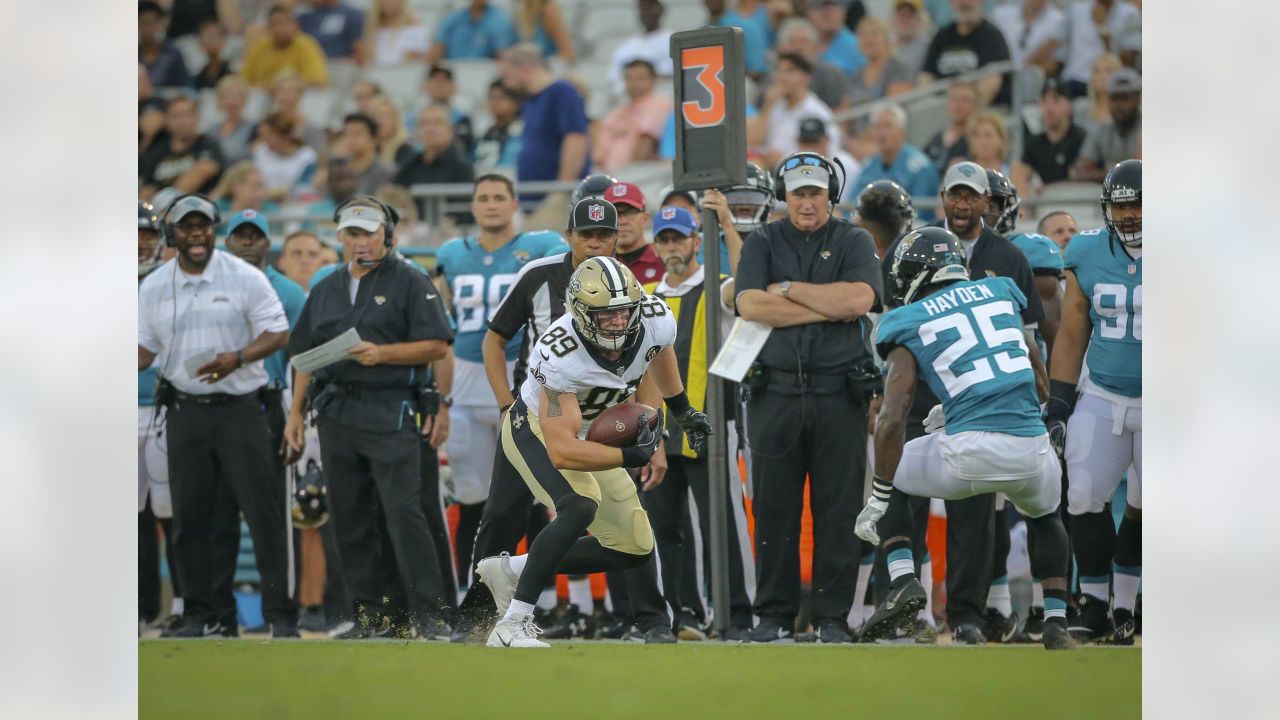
(811, 160)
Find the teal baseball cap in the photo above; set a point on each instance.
(250, 217)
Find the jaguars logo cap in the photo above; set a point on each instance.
(969, 174)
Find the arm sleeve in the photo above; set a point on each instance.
(753, 265)
(263, 307)
(426, 313)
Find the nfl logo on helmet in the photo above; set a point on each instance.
(595, 212)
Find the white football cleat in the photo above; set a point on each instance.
(522, 633)
(496, 573)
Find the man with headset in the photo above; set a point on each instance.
(812, 278)
(214, 318)
(367, 408)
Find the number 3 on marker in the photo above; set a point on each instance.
(711, 61)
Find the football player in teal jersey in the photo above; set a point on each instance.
(1095, 417)
(473, 275)
(965, 339)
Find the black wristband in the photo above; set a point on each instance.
(635, 457)
(240, 361)
(677, 404)
(1062, 399)
(880, 489)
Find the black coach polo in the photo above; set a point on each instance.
(836, 252)
(394, 304)
(992, 256)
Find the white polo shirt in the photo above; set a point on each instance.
(784, 123)
(1025, 38)
(222, 309)
(1083, 43)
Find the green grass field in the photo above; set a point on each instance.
(300, 679)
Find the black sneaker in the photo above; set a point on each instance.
(906, 599)
(737, 634)
(312, 619)
(771, 631)
(611, 627)
(193, 628)
(284, 630)
(968, 634)
(1093, 620)
(658, 636)
(1033, 629)
(831, 631)
(634, 634)
(363, 628)
(435, 630)
(1056, 636)
(1125, 626)
(570, 623)
(998, 628)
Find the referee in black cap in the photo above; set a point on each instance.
(366, 412)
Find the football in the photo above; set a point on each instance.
(619, 425)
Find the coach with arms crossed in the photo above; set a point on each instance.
(813, 278)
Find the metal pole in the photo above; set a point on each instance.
(716, 454)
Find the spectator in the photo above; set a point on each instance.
(654, 44)
(883, 74)
(242, 188)
(633, 250)
(1036, 33)
(1096, 28)
(410, 230)
(363, 93)
(962, 103)
(988, 141)
(284, 48)
(340, 180)
(440, 160)
(212, 40)
(813, 137)
(1118, 139)
(233, 132)
(942, 13)
(150, 111)
(1059, 226)
(500, 145)
(394, 35)
(1049, 154)
(337, 27)
(798, 36)
(630, 132)
(898, 161)
(164, 63)
(1097, 105)
(472, 33)
(301, 257)
(967, 45)
(440, 89)
(554, 145)
(787, 101)
(286, 97)
(909, 34)
(837, 43)
(542, 23)
(359, 144)
(287, 164)
(181, 157)
(754, 42)
(393, 139)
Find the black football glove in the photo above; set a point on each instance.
(1062, 401)
(696, 427)
(646, 445)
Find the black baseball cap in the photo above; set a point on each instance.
(1054, 85)
(593, 212)
(811, 129)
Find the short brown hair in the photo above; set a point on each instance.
(494, 177)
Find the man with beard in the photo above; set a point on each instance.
(1113, 141)
(215, 319)
(970, 523)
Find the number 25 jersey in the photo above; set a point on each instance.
(563, 362)
(968, 343)
(1112, 283)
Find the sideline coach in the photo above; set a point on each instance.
(367, 409)
(812, 278)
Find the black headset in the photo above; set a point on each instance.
(834, 184)
(389, 213)
(166, 225)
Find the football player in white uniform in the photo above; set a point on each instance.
(592, 358)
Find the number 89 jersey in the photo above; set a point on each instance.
(1112, 283)
(968, 343)
(563, 362)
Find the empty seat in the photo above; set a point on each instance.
(401, 83)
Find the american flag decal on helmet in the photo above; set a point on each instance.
(595, 212)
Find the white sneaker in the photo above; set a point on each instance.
(496, 573)
(520, 633)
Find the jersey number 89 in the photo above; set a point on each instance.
(1007, 362)
(560, 341)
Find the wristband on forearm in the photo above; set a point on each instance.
(880, 489)
(1062, 399)
(678, 404)
(635, 457)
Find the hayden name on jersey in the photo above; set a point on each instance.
(563, 362)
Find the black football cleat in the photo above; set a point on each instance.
(570, 623)
(998, 628)
(658, 636)
(968, 634)
(770, 631)
(612, 627)
(312, 619)
(1056, 637)
(906, 599)
(192, 628)
(1092, 622)
(284, 630)
(1125, 627)
(1033, 629)
(830, 632)
(737, 634)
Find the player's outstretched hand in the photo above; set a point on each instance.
(696, 427)
(865, 527)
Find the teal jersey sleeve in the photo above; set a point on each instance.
(1042, 254)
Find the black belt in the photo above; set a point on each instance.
(212, 398)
